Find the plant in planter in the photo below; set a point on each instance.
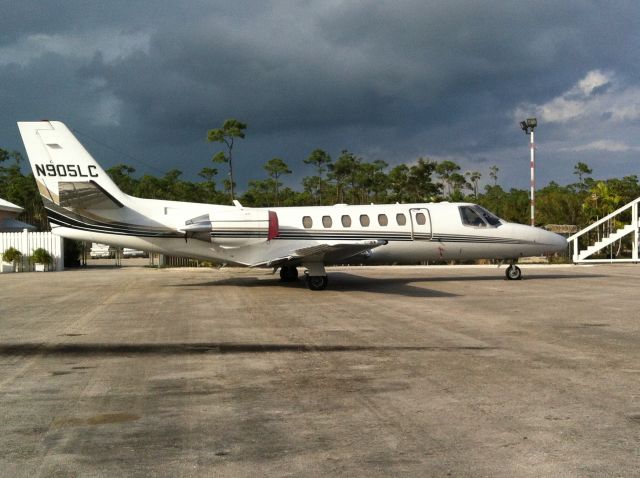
(10, 259)
(42, 259)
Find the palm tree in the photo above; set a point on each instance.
(276, 167)
(474, 178)
(320, 159)
(230, 130)
(445, 170)
(493, 174)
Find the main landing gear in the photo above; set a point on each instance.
(288, 273)
(316, 277)
(317, 282)
(513, 272)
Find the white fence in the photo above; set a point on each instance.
(27, 242)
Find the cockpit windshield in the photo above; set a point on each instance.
(491, 218)
(476, 216)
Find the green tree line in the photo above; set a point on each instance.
(347, 179)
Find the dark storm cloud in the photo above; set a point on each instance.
(388, 80)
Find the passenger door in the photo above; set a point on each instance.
(420, 224)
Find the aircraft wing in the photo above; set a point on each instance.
(332, 251)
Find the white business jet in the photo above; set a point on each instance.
(83, 203)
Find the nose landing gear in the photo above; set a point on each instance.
(513, 272)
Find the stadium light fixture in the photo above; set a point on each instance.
(528, 126)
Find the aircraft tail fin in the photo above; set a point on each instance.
(65, 172)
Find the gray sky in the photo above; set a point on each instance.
(141, 82)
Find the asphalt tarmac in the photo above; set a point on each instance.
(392, 371)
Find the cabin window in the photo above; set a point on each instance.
(307, 222)
(382, 219)
(470, 217)
(401, 219)
(346, 221)
(364, 220)
(326, 221)
(421, 220)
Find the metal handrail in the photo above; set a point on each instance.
(635, 222)
(600, 221)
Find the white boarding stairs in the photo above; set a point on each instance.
(600, 227)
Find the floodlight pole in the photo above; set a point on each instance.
(533, 180)
(528, 126)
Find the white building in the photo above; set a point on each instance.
(14, 233)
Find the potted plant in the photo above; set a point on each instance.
(42, 259)
(10, 259)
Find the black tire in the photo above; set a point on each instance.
(317, 282)
(513, 272)
(288, 274)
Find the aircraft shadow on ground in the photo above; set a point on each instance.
(119, 349)
(338, 282)
(404, 286)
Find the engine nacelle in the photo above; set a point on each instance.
(234, 228)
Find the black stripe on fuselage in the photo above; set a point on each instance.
(121, 230)
(54, 209)
(393, 236)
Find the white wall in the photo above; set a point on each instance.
(27, 242)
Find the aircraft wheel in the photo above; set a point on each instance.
(317, 282)
(288, 274)
(513, 272)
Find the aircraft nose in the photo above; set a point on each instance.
(557, 242)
